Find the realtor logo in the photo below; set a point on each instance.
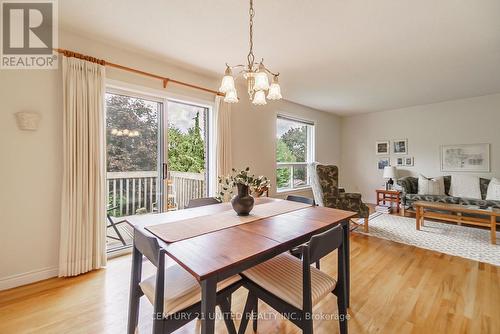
(29, 34)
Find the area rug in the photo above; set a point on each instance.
(467, 242)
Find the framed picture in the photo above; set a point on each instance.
(382, 147)
(383, 162)
(400, 146)
(408, 161)
(400, 161)
(465, 158)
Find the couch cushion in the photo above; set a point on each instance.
(479, 202)
(466, 186)
(483, 184)
(493, 193)
(430, 186)
(433, 198)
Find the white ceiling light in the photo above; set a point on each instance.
(256, 75)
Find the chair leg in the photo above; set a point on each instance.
(342, 312)
(317, 265)
(365, 227)
(308, 326)
(227, 316)
(255, 314)
(246, 313)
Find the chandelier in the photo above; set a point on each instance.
(256, 75)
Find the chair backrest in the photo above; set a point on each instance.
(325, 183)
(319, 246)
(324, 243)
(148, 246)
(194, 203)
(300, 199)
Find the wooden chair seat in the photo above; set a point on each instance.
(282, 276)
(181, 289)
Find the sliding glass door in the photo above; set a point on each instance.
(157, 158)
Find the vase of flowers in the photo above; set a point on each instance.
(242, 202)
(245, 184)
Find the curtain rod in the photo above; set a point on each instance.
(165, 80)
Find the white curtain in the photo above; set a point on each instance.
(83, 220)
(223, 136)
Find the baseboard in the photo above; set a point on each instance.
(13, 281)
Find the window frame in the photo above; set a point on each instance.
(310, 154)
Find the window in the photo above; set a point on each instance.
(294, 151)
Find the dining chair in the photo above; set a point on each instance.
(196, 202)
(174, 293)
(297, 252)
(301, 199)
(292, 287)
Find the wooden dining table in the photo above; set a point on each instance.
(215, 256)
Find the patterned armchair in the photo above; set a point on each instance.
(325, 186)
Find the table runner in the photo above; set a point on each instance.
(192, 227)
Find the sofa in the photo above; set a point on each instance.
(409, 185)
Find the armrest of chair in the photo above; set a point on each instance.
(352, 196)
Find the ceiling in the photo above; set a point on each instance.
(339, 56)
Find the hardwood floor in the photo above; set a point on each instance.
(396, 288)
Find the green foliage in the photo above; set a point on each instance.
(291, 147)
(186, 151)
(131, 153)
(283, 154)
(296, 140)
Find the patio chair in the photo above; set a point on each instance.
(114, 225)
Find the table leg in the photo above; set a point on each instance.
(493, 230)
(346, 246)
(417, 218)
(208, 299)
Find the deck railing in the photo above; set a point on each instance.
(133, 191)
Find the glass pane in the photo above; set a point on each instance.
(132, 162)
(299, 176)
(187, 131)
(283, 177)
(291, 143)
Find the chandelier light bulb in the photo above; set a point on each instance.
(227, 83)
(260, 98)
(274, 90)
(261, 79)
(231, 96)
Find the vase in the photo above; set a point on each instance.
(242, 202)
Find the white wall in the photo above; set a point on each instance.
(31, 162)
(473, 120)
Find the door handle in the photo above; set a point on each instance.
(165, 171)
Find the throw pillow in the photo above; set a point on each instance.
(493, 193)
(430, 186)
(465, 186)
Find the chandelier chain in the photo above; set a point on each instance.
(251, 57)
